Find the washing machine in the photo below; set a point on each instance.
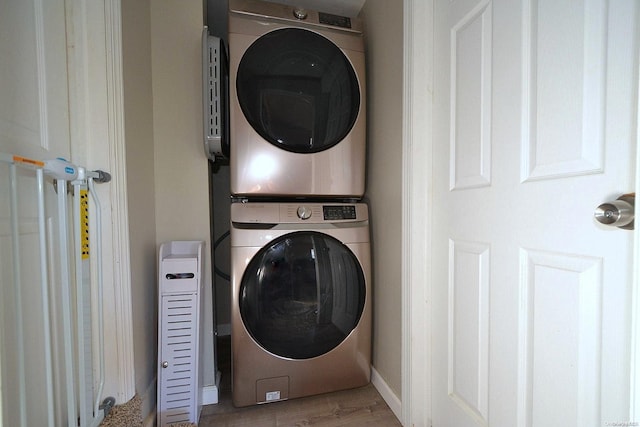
(297, 103)
(301, 300)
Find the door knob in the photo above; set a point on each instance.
(165, 364)
(300, 13)
(619, 213)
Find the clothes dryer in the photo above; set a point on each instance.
(301, 300)
(297, 103)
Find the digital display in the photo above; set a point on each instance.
(335, 20)
(333, 213)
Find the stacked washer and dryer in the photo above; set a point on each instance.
(300, 251)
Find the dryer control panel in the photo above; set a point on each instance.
(285, 13)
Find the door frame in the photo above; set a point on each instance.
(94, 55)
(416, 222)
(416, 215)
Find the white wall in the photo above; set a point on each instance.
(138, 104)
(181, 169)
(383, 35)
(167, 171)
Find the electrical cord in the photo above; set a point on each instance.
(215, 246)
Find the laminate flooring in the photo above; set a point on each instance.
(357, 407)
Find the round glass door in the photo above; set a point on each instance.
(298, 90)
(302, 295)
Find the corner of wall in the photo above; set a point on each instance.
(394, 402)
(148, 408)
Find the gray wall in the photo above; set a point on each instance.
(181, 167)
(138, 112)
(384, 35)
(167, 171)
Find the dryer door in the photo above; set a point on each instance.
(302, 295)
(298, 90)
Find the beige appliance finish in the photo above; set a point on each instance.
(261, 376)
(260, 168)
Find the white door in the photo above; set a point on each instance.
(34, 108)
(34, 123)
(534, 122)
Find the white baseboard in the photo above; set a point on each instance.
(395, 404)
(224, 329)
(210, 393)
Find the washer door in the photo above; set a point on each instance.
(302, 295)
(298, 90)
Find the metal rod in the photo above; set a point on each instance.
(65, 285)
(44, 288)
(82, 386)
(17, 284)
(99, 294)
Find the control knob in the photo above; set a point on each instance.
(304, 212)
(300, 13)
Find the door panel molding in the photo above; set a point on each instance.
(468, 359)
(470, 122)
(579, 148)
(549, 283)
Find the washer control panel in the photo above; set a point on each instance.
(329, 212)
(296, 213)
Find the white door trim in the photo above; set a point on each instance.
(97, 112)
(119, 204)
(634, 411)
(416, 217)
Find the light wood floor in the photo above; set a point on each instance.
(358, 407)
